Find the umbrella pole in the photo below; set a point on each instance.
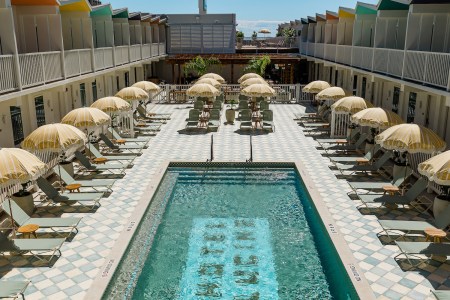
(12, 218)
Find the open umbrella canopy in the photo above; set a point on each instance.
(112, 104)
(411, 138)
(86, 117)
(437, 168)
(315, 87)
(251, 81)
(331, 93)
(248, 76)
(147, 86)
(210, 81)
(202, 90)
(350, 105)
(19, 166)
(265, 31)
(132, 94)
(258, 90)
(54, 138)
(214, 76)
(376, 117)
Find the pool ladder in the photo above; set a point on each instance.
(211, 152)
(251, 151)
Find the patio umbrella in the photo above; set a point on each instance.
(202, 90)
(147, 86)
(112, 105)
(264, 31)
(350, 105)
(376, 117)
(437, 168)
(132, 94)
(214, 76)
(411, 138)
(210, 81)
(251, 81)
(258, 90)
(18, 166)
(248, 76)
(315, 87)
(86, 118)
(331, 93)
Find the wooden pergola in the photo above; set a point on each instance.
(286, 60)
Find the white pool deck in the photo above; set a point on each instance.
(72, 274)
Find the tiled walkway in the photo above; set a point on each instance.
(71, 275)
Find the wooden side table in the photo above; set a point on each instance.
(362, 161)
(120, 142)
(28, 230)
(341, 142)
(435, 234)
(100, 160)
(390, 189)
(73, 187)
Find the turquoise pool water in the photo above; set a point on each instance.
(231, 234)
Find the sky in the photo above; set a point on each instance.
(250, 14)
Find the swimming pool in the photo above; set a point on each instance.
(231, 233)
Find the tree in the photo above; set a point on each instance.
(200, 65)
(258, 65)
(288, 34)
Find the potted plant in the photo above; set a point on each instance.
(24, 199)
(230, 113)
(239, 39)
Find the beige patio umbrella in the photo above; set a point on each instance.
(132, 94)
(437, 168)
(315, 87)
(331, 93)
(251, 81)
(376, 117)
(210, 81)
(18, 166)
(214, 76)
(86, 118)
(147, 86)
(411, 138)
(258, 90)
(248, 76)
(202, 90)
(350, 105)
(111, 105)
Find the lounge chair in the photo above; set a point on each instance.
(55, 224)
(129, 157)
(217, 104)
(35, 247)
(246, 119)
(138, 140)
(403, 228)
(214, 120)
(268, 120)
(243, 104)
(198, 105)
(366, 168)
(354, 135)
(416, 250)
(354, 159)
(84, 161)
(263, 105)
(193, 119)
(113, 146)
(92, 183)
(441, 294)
(13, 289)
(142, 111)
(243, 97)
(52, 194)
(397, 181)
(358, 144)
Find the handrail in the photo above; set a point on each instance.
(251, 151)
(211, 157)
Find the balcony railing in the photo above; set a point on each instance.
(77, 62)
(39, 68)
(319, 51)
(362, 57)
(7, 74)
(388, 61)
(135, 53)
(146, 51)
(344, 54)
(303, 47)
(330, 52)
(103, 58)
(155, 49)
(429, 67)
(121, 55)
(162, 49)
(311, 47)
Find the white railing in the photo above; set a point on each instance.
(77, 62)
(38, 68)
(7, 73)
(330, 52)
(121, 55)
(429, 67)
(155, 49)
(135, 52)
(103, 58)
(395, 62)
(162, 49)
(303, 47)
(319, 51)
(311, 49)
(414, 160)
(344, 54)
(146, 51)
(339, 124)
(362, 57)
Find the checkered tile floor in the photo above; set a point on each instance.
(70, 276)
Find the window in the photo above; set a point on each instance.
(17, 125)
(127, 79)
(94, 90)
(40, 110)
(411, 107)
(363, 87)
(336, 75)
(427, 113)
(83, 94)
(395, 99)
(135, 75)
(355, 84)
(117, 83)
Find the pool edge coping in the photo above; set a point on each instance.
(112, 261)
